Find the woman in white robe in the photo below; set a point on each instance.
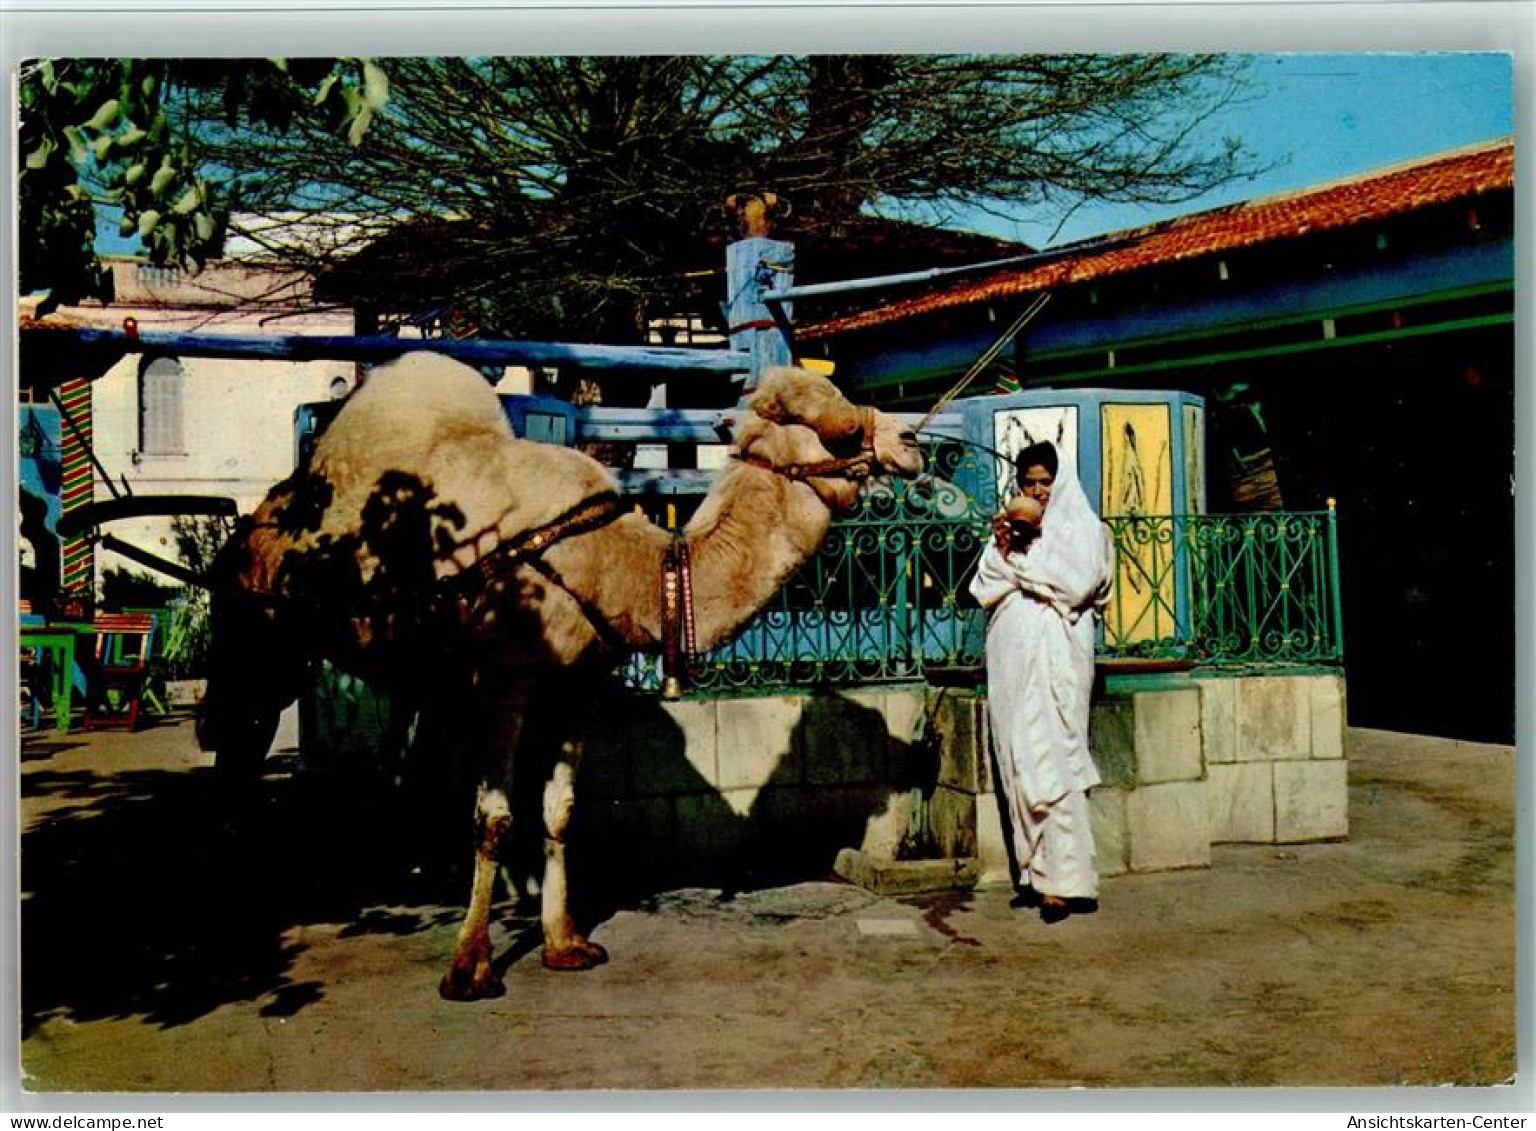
(1042, 597)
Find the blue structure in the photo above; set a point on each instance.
(40, 464)
(40, 456)
(1088, 428)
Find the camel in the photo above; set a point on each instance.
(426, 548)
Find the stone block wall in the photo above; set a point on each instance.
(1197, 762)
(1274, 751)
(764, 789)
(758, 789)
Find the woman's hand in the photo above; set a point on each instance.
(1001, 533)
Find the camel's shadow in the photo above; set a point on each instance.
(652, 818)
(146, 894)
(152, 894)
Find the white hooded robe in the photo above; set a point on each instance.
(1040, 641)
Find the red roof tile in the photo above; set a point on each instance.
(1361, 199)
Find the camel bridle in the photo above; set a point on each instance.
(528, 549)
(591, 513)
(678, 635)
(677, 615)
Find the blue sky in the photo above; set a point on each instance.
(1319, 117)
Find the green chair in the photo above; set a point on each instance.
(155, 694)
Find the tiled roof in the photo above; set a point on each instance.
(1372, 196)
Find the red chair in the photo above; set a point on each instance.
(119, 670)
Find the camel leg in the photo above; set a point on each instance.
(565, 948)
(470, 975)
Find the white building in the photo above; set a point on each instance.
(168, 425)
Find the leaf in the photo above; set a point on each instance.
(375, 85)
(130, 137)
(203, 225)
(105, 115)
(134, 173)
(188, 201)
(359, 126)
(325, 88)
(162, 179)
(77, 146)
(147, 222)
(127, 226)
(38, 158)
(102, 146)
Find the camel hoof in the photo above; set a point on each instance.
(462, 985)
(577, 956)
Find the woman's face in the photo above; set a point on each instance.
(1036, 483)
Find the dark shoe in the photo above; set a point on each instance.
(1053, 909)
(1026, 899)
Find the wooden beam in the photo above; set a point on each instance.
(376, 348)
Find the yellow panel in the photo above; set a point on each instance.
(1138, 481)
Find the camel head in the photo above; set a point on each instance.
(802, 427)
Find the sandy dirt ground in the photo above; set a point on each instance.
(162, 953)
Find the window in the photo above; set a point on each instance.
(161, 410)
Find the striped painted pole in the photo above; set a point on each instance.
(78, 487)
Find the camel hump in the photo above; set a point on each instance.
(407, 412)
(427, 392)
(430, 431)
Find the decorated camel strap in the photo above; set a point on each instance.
(589, 514)
(527, 548)
(678, 635)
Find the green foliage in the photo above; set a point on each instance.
(198, 538)
(110, 133)
(198, 541)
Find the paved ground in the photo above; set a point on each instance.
(161, 954)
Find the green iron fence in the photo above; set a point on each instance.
(883, 601)
(886, 599)
(1233, 589)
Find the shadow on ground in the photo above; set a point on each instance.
(153, 894)
(144, 894)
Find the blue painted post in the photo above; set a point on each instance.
(755, 265)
